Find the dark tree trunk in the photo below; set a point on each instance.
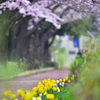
(46, 54)
(21, 43)
(3, 49)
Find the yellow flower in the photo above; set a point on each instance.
(7, 93)
(72, 78)
(39, 83)
(38, 98)
(40, 90)
(4, 99)
(44, 94)
(50, 96)
(28, 97)
(53, 81)
(27, 91)
(54, 89)
(45, 88)
(60, 80)
(44, 81)
(23, 95)
(49, 79)
(12, 96)
(34, 88)
(64, 80)
(57, 88)
(19, 91)
(48, 88)
(34, 93)
(68, 81)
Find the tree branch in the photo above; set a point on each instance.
(53, 38)
(40, 22)
(94, 1)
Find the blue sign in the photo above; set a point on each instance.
(75, 42)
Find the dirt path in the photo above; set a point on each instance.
(26, 83)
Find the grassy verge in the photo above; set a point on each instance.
(10, 70)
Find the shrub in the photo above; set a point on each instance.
(87, 86)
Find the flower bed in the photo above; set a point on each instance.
(48, 89)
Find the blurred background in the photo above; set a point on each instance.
(28, 42)
(45, 35)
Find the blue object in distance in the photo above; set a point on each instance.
(75, 42)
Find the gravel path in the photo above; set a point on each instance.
(26, 83)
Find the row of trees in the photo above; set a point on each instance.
(23, 28)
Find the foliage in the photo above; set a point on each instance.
(52, 64)
(76, 28)
(13, 68)
(58, 52)
(65, 94)
(87, 86)
(75, 66)
(23, 65)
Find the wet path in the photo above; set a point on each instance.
(26, 83)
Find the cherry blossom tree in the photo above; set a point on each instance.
(86, 7)
(13, 11)
(37, 12)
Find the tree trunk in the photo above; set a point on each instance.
(46, 54)
(4, 28)
(3, 50)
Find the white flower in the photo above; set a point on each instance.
(58, 90)
(57, 81)
(16, 99)
(40, 94)
(39, 98)
(55, 84)
(34, 98)
(45, 92)
(62, 83)
(27, 93)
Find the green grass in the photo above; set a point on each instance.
(11, 70)
(64, 94)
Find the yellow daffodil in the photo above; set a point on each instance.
(39, 83)
(7, 93)
(19, 91)
(34, 88)
(72, 78)
(66, 78)
(54, 89)
(50, 96)
(27, 91)
(68, 81)
(28, 97)
(4, 99)
(12, 96)
(49, 79)
(44, 94)
(40, 90)
(60, 80)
